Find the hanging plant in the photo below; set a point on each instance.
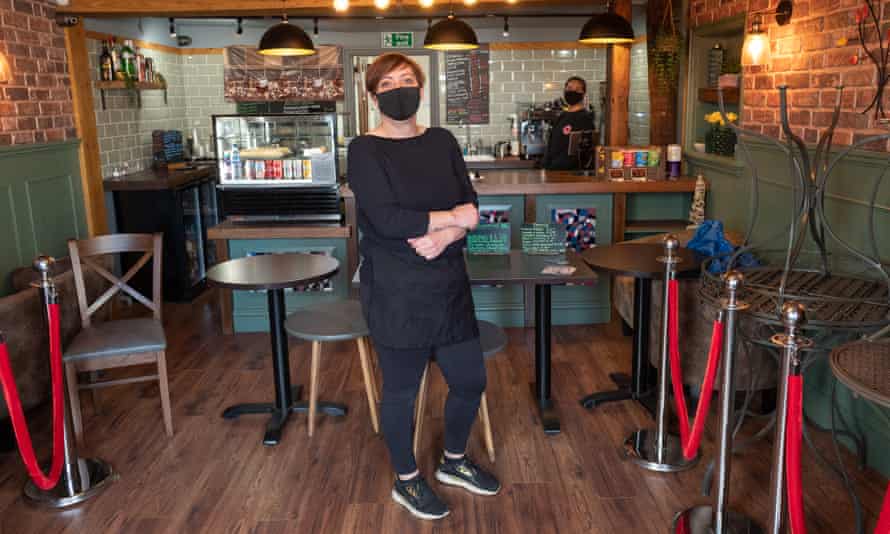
(867, 21)
(664, 55)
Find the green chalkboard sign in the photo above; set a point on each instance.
(492, 238)
(543, 238)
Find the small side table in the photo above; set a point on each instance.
(639, 261)
(273, 273)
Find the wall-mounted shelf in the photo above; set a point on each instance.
(709, 95)
(137, 87)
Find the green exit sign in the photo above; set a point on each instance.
(398, 40)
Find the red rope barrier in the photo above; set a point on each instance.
(884, 519)
(793, 431)
(13, 401)
(691, 438)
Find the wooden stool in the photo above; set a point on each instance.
(493, 339)
(340, 320)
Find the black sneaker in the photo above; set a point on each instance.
(465, 474)
(419, 498)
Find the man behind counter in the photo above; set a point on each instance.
(575, 118)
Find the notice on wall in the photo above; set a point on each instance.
(252, 77)
(467, 83)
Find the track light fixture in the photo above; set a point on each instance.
(506, 26)
(426, 3)
(341, 5)
(172, 28)
(315, 26)
(239, 28)
(381, 4)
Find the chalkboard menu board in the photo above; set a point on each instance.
(467, 79)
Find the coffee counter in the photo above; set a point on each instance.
(622, 209)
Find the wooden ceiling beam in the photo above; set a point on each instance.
(256, 8)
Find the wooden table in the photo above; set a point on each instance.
(641, 262)
(525, 269)
(273, 273)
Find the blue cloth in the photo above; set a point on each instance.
(710, 242)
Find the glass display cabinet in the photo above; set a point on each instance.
(276, 150)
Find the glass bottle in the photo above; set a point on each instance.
(128, 59)
(106, 64)
(115, 59)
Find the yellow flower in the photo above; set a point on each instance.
(732, 117)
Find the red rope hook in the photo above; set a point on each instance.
(793, 435)
(13, 401)
(691, 438)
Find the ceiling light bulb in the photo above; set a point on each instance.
(512, 1)
(426, 3)
(470, 2)
(381, 4)
(341, 5)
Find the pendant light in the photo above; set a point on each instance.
(451, 34)
(285, 39)
(607, 28)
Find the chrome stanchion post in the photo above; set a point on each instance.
(719, 519)
(659, 450)
(81, 478)
(791, 343)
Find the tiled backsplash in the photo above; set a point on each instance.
(195, 93)
(522, 77)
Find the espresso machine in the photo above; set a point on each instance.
(534, 130)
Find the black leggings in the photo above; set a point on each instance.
(463, 366)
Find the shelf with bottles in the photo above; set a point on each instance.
(122, 67)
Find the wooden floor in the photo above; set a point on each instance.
(215, 476)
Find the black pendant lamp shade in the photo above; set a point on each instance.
(607, 28)
(285, 39)
(451, 34)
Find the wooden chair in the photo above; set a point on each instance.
(493, 339)
(116, 343)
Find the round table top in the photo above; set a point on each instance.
(272, 271)
(637, 260)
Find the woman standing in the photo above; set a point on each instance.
(415, 204)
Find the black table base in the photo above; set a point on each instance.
(549, 418)
(285, 394)
(639, 385)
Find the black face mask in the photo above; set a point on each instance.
(573, 97)
(399, 104)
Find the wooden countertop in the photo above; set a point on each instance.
(510, 162)
(152, 180)
(230, 230)
(543, 182)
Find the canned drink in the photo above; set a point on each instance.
(617, 159)
(250, 170)
(307, 169)
(654, 158)
(628, 158)
(279, 169)
(674, 153)
(260, 169)
(641, 158)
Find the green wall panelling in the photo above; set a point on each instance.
(581, 304)
(41, 204)
(503, 305)
(250, 309)
(847, 209)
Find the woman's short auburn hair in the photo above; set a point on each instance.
(387, 63)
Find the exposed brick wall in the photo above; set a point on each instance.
(806, 56)
(35, 106)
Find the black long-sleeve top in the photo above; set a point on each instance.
(557, 157)
(408, 301)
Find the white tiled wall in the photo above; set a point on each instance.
(535, 76)
(194, 93)
(522, 77)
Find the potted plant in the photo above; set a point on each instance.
(721, 139)
(729, 74)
